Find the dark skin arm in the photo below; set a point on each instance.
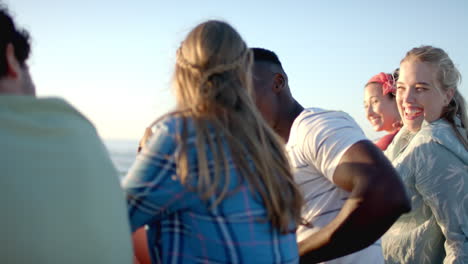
(376, 201)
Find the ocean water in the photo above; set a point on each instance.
(123, 154)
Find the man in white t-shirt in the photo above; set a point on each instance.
(352, 193)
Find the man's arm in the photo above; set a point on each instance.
(376, 201)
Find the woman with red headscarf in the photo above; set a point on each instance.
(380, 106)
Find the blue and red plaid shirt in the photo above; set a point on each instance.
(182, 227)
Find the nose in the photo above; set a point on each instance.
(369, 110)
(407, 96)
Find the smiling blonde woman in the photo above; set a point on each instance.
(431, 155)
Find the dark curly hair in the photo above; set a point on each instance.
(19, 38)
(261, 54)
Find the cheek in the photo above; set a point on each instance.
(256, 98)
(262, 106)
(378, 109)
(267, 112)
(267, 107)
(388, 108)
(399, 107)
(433, 103)
(368, 111)
(434, 110)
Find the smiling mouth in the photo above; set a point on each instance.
(413, 113)
(374, 120)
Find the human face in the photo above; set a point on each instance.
(265, 98)
(381, 110)
(419, 96)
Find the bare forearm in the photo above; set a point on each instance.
(349, 232)
(377, 198)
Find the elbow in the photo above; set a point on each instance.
(400, 203)
(395, 194)
(403, 205)
(406, 204)
(390, 198)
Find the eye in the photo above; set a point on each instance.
(400, 90)
(421, 89)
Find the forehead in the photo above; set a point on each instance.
(413, 71)
(373, 89)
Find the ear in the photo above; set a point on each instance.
(279, 82)
(449, 95)
(13, 65)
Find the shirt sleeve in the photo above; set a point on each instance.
(327, 136)
(152, 187)
(442, 180)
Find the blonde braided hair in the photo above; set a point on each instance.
(213, 85)
(206, 74)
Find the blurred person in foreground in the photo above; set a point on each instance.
(61, 199)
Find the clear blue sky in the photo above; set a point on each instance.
(113, 59)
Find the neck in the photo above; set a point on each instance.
(391, 131)
(283, 128)
(8, 87)
(395, 127)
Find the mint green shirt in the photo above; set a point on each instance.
(433, 165)
(60, 200)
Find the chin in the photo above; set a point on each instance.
(378, 128)
(413, 125)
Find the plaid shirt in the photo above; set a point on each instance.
(183, 228)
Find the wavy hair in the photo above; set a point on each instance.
(448, 77)
(213, 87)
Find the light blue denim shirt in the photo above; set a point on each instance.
(433, 165)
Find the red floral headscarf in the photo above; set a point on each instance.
(387, 81)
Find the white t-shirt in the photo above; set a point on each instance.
(317, 141)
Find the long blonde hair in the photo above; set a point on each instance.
(448, 77)
(213, 86)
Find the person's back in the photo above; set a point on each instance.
(234, 230)
(207, 183)
(61, 198)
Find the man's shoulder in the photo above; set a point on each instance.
(317, 126)
(317, 117)
(47, 113)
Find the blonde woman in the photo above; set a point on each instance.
(213, 184)
(431, 155)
